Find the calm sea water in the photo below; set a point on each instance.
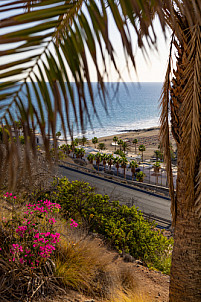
(136, 107)
(131, 108)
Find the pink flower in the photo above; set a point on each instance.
(52, 221)
(73, 224)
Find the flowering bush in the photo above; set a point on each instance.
(33, 238)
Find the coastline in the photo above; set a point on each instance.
(140, 130)
(148, 137)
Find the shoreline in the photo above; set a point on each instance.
(148, 137)
(139, 130)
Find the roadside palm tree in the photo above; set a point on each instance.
(115, 139)
(81, 152)
(76, 152)
(91, 158)
(73, 145)
(140, 176)
(68, 149)
(117, 162)
(135, 141)
(124, 162)
(133, 166)
(104, 159)
(142, 148)
(98, 158)
(110, 160)
(60, 39)
(95, 141)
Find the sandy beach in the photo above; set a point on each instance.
(148, 137)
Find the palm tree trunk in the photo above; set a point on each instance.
(185, 279)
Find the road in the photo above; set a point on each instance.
(145, 201)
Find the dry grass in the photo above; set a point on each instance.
(129, 296)
(86, 266)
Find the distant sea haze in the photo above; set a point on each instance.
(134, 106)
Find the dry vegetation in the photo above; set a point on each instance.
(82, 267)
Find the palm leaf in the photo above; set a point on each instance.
(190, 110)
(164, 131)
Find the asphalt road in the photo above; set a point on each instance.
(146, 202)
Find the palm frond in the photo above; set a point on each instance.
(198, 192)
(191, 110)
(164, 131)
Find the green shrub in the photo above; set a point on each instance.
(125, 228)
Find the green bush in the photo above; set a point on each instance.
(125, 228)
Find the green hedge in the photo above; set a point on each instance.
(124, 227)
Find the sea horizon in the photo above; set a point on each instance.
(135, 106)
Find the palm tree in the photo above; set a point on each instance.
(120, 142)
(115, 139)
(104, 159)
(95, 141)
(76, 141)
(133, 166)
(110, 160)
(60, 39)
(76, 152)
(91, 158)
(81, 152)
(157, 154)
(142, 148)
(140, 176)
(84, 140)
(117, 162)
(124, 162)
(124, 146)
(74, 144)
(135, 141)
(98, 158)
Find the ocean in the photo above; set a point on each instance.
(134, 106)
